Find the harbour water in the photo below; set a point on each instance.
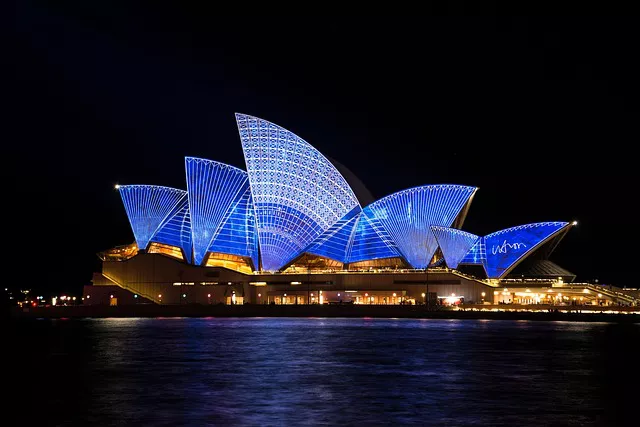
(315, 371)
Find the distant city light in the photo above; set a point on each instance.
(135, 295)
(208, 295)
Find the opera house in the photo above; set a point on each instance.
(299, 228)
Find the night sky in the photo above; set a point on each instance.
(541, 114)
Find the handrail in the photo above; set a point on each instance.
(128, 288)
(603, 290)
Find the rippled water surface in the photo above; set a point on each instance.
(271, 371)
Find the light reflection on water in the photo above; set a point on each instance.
(317, 371)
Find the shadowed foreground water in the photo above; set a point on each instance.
(286, 371)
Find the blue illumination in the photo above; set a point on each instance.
(336, 241)
(505, 248)
(477, 254)
(455, 244)
(294, 200)
(214, 189)
(297, 193)
(370, 240)
(237, 234)
(148, 206)
(407, 216)
(176, 231)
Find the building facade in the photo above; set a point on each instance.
(290, 229)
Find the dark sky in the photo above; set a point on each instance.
(541, 114)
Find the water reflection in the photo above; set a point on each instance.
(331, 371)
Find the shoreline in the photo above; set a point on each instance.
(626, 315)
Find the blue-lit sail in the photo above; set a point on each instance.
(477, 255)
(407, 216)
(214, 188)
(147, 206)
(297, 193)
(505, 248)
(335, 242)
(454, 243)
(370, 240)
(176, 230)
(237, 234)
(293, 200)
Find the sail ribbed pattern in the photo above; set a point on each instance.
(214, 188)
(454, 243)
(297, 193)
(238, 234)
(147, 206)
(336, 241)
(370, 240)
(408, 215)
(176, 230)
